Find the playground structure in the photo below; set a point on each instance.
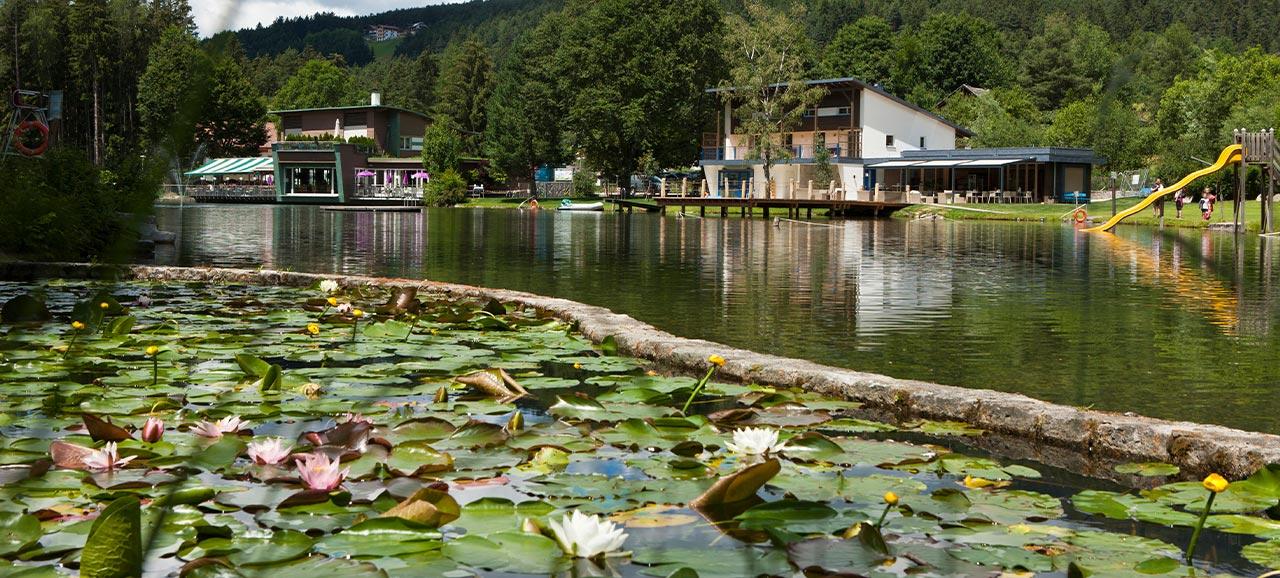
(27, 120)
(1250, 148)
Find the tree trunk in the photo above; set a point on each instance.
(97, 118)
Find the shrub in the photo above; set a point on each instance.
(584, 184)
(62, 207)
(445, 190)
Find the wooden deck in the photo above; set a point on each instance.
(793, 208)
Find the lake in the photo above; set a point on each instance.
(1175, 323)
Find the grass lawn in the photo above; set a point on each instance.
(385, 49)
(1098, 211)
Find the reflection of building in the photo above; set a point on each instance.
(885, 149)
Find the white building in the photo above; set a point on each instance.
(859, 122)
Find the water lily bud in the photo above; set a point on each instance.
(716, 360)
(77, 325)
(332, 301)
(1215, 483)
(530, 526)
(891, 498)
(104, 305)
(152, 350)
(153, 430)
(442, 395)
(313, 328)
(357, 313)
(516, 423)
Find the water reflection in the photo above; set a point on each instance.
(1173, 323)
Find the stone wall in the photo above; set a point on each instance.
(1083, 441)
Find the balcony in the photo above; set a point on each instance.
(801, 153)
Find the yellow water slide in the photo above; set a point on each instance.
(1229, 155)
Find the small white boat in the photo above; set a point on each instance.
(567, 205)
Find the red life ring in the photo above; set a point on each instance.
(1080, 215)
(20, 133)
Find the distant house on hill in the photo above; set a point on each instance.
(381, 32)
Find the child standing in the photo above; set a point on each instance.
(1206, 206)
(1180, 199)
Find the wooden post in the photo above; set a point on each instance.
(662, 187)
(684, 186)
(704, 187)
(1241, 181)
(809, 194)
(1273, 164)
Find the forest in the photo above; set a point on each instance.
(622, 83)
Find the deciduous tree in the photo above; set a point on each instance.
(635, 75)
(319, 83)
(768, 57)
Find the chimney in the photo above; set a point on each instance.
(375, 98)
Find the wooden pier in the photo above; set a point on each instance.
(793, 208)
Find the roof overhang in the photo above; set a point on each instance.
(236, 166)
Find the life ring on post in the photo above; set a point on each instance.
(534, 204)
(1080, 215)
(20, 134)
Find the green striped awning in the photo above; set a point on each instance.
(232, 166)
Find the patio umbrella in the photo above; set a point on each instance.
(420, 175)
(365, 173)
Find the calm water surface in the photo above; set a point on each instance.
(1178, 324)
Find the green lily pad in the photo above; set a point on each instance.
(18, 532)
(750, 562)
(379, 537)
(1148, 469)
(509, 552)
(114, 546)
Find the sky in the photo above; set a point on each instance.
(213, 16)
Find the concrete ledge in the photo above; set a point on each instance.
(1084, 441)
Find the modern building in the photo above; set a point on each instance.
(383, 163)
(873, 138)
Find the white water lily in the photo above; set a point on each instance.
(584, 536)
(328, 285)
(105, 459)
(755, 441)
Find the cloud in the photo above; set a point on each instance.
(213, 16)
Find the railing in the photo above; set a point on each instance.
(310, 145)
(381, 192)
(241, 193)
(800, 152)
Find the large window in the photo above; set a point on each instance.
(309, 181)
(410, 143)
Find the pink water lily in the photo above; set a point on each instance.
(271, 451)
(105, 459)
(319, 472)
(226, 425)
(153, 430)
